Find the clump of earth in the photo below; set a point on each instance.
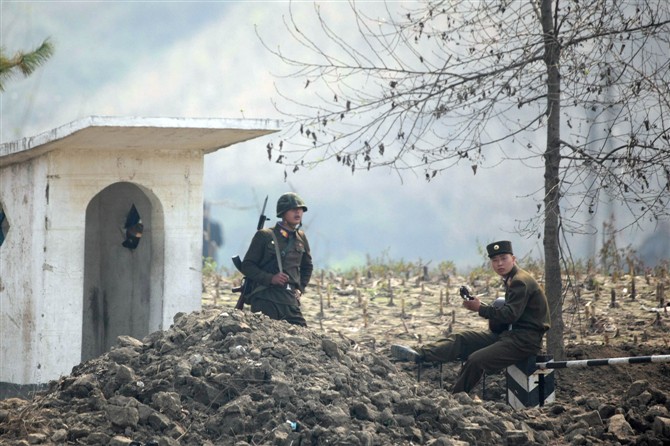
(221, 376)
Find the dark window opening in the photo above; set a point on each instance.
(4, 225)
(134, 228)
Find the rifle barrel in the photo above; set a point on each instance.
(262, 218)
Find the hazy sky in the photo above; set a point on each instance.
(203, 59)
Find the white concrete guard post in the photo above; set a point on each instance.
(528, 386)
(68, 287)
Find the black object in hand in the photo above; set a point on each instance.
(465, 293)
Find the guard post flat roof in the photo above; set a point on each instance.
(137, 133)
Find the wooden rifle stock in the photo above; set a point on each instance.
(240, 300)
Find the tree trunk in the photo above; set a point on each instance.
(552, 161)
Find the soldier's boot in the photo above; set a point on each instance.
(404, 353)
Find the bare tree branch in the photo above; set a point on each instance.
(442, 83)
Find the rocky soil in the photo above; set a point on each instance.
(225, 377)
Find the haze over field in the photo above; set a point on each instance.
(204, 59)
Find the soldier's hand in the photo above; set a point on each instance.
(472, 304)
(279, 279)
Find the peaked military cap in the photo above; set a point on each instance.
(501, 247)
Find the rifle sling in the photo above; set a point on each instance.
(277, 253)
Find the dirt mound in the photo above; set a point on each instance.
(230, 377)
(236, 378)
(225, 377)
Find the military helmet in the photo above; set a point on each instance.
(289, 201)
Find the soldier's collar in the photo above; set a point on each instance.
(510, 275)
(285, 231)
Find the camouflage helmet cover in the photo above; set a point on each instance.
(288, 201)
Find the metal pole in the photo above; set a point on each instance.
(604, 361)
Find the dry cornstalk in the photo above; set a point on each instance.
(321, 314)
(441, 302)
(660, 294)
(390, 304)
(365, 314)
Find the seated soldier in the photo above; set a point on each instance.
(524, 317)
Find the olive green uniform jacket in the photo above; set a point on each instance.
(526, 315)
(260, 264)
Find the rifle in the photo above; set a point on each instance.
(247, 284)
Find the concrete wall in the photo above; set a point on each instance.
(22, 269)
(43, 261)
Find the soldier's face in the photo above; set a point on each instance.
(293, 217)
(503, 263)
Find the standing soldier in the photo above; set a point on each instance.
(524, 316)
(279, 263)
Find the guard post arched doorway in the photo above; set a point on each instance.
(122, 280)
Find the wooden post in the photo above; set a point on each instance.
(613, 298)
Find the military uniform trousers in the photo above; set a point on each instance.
(482, 351)
(281, 309)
